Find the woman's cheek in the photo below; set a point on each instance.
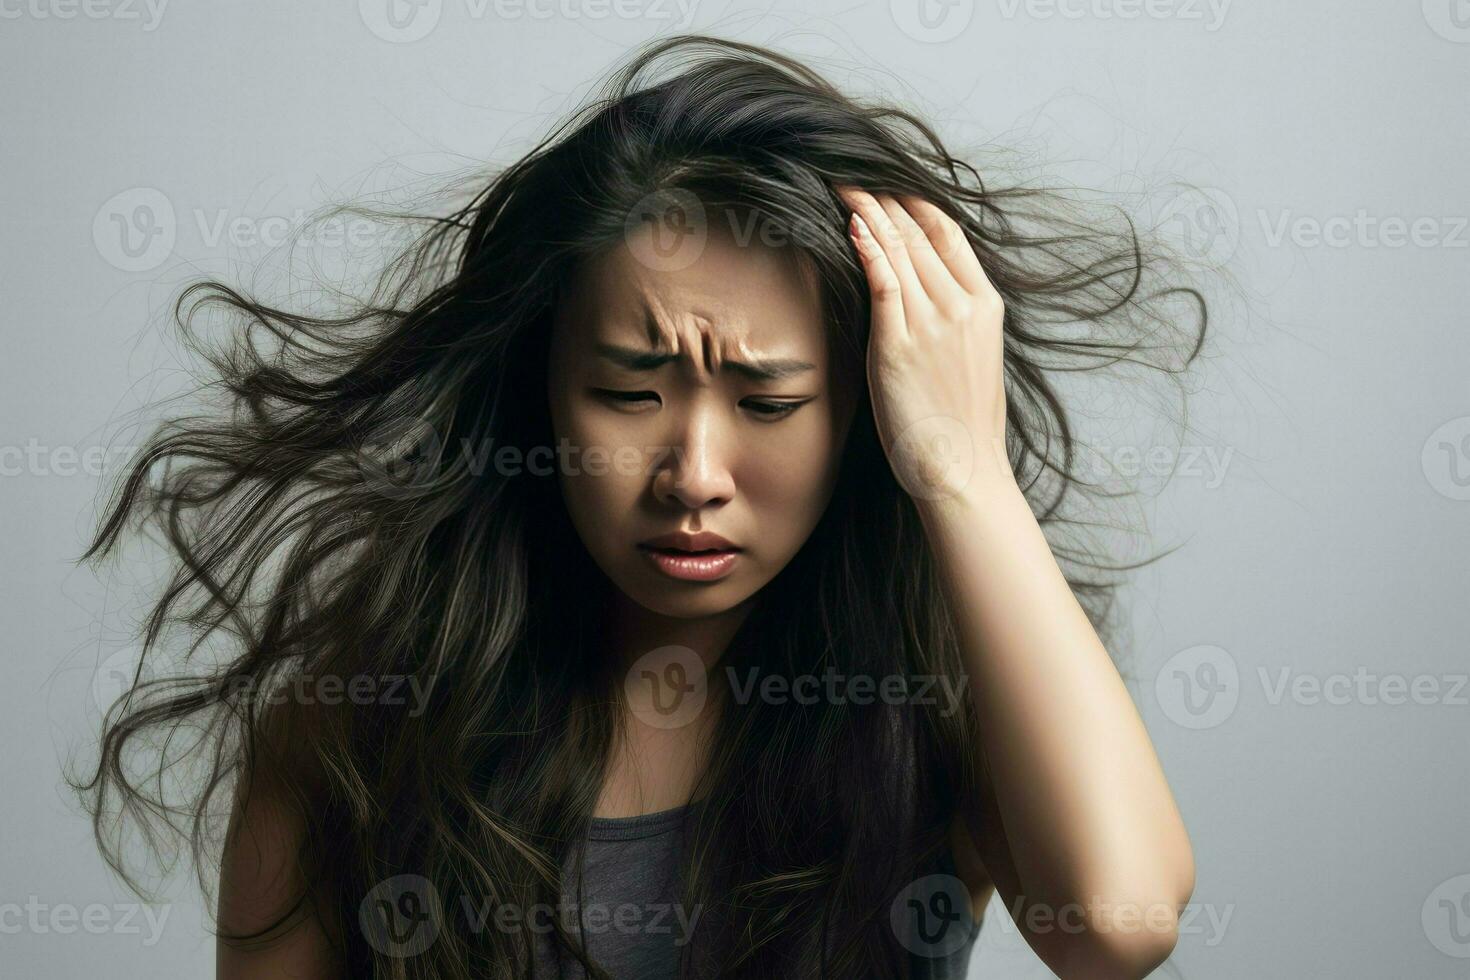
(790, 471)
(613, 465)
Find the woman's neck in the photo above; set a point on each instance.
(668, 713)
(631, 632)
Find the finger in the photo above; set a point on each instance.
(939, 284)
(951, 243)
(890, 241)
(883, 286)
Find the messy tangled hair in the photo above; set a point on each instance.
(315, 535)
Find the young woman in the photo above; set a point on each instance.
(653, 578)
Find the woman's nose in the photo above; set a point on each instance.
(696, 471)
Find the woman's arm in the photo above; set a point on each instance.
(1092, 832)
(1091, 858)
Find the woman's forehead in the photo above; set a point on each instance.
(729, 302)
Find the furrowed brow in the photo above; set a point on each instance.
(765, 369)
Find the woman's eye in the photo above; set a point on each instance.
(774, 409)
(769, 410)
(626, 396)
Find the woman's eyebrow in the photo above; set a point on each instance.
(763, 369)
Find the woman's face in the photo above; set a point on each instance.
(696, 399)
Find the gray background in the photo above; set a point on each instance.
(1326, 547)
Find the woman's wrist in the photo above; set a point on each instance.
(986, 491)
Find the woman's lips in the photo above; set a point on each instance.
(703, 566)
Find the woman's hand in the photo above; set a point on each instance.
(935, 351)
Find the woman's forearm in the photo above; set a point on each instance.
(1086, 809)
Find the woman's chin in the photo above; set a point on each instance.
(687, 600)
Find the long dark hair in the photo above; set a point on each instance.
(324, 526)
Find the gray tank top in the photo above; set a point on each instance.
(634, 926)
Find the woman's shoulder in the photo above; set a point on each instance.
(267, 909)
